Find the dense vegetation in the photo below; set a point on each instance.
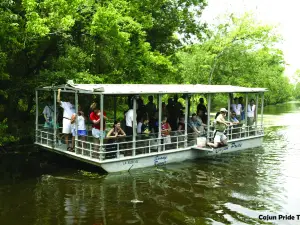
(47, 42)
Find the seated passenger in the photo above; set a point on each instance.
(181, 124)
(196, 126)
(145, 127)
(221, 124)
(116, 131)
(112, 136)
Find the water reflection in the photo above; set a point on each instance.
(230, 189)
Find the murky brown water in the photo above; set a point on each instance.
(232, 189)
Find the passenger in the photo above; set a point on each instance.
(202, 110)
(48, 113)
(153, 125)
(233, 118)
(181, 130)
(235, 128)
(251, 113)
(97, 131)
(196, 126)
(141, 108)
(69, 109)
(145, 127)
(116, 131)
(181, 124)
(177, 111)
(129, 121)
(219, 137)
(151, 109)
(165, 130)
(172, 117)
(237, 108)
(82, 133)
(112, 136)
(139, 125)
(200, 116)
(145, 135)
(243, 108)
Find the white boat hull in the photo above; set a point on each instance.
(178, 155)
(163, 157)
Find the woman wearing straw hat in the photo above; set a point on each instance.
(220, 138)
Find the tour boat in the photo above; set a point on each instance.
(139, 151)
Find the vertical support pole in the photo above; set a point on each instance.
(134, 127)
(115, 108)
(54, 120)
(76, 122)
(36, 115)
(159, 120)
(208, 115)
(101, 127)
(256, 113)
(262, 110)
(186, 120)
(228, 118)
(246, 115)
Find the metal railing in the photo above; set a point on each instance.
(240, 131)
(114, 148)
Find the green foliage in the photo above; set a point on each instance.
(5, 137)
(296, 91)
(45, 42)
(240, 52)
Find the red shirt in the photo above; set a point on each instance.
(95, 116)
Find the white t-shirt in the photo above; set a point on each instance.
(69, 109)
(129, 118)
(237, 108)
(251, 110)
(81, 123)
(49, 111)
(139, 127)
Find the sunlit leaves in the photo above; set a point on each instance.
(239, 52)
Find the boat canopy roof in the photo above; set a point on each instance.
(125, 89)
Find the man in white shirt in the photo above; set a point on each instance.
(251, 113)
(69, 110)
(129, 122)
